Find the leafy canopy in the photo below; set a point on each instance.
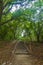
(21, 20)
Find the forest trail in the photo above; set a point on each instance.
(8, 57)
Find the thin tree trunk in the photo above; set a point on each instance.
(38, 40)
(30, 47)
(1, 9)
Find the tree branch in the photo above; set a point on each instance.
(9, 20)
(7, 11)
(6, 21)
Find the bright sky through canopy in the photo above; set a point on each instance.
(14, 8)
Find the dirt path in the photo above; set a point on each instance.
(9, 58)
(18, 60)
(25, 60)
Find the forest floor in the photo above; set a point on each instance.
(8, 57)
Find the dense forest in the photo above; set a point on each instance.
(21, 20)
(21, 32)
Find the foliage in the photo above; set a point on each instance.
(25, 23)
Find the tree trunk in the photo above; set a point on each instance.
(38, 40)
(1, 9)
(30, 47)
